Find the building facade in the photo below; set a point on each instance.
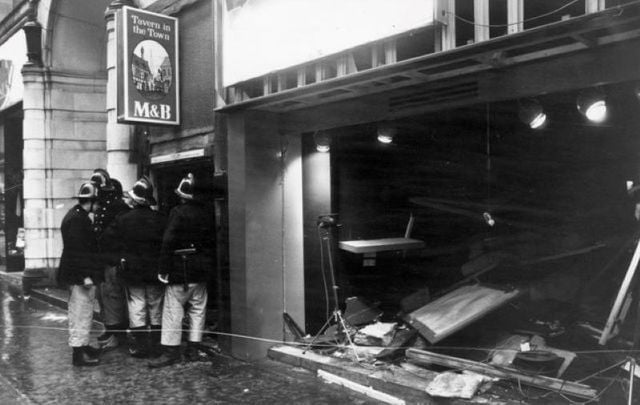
(444, 83)
(449, 86)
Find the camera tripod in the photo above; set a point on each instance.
(326, 225)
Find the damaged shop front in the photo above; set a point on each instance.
(411, 231)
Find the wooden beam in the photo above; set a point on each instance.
(515, 16)
(219, 99)
(376, 56)
(320, 72)
(495, 59)
(622, 293)
(266, 85)
(553, 384)
(588, 41)
(436, 63)
(453, 311)
(301, 77)
(448, 40)
(593, 6)
(282, 82)
(342, 66)
(362, 389)
(481, 20)
(390, 52)
(351, 64)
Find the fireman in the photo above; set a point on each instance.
(135, 237)
(80, 269)
(111, 292)
(187, 259)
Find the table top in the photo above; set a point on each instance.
(380, 245)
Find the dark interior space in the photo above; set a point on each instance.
(13, 195)
(549, 208)
(167, 179)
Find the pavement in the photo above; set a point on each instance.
(35, 367)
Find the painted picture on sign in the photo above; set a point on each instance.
(147, 67)
(151, 70)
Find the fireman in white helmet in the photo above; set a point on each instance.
(187, 260)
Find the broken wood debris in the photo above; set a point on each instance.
(368, 391)
(566, 387)
(453, 311)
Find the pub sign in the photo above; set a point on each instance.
(147, 67)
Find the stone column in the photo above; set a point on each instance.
(63, 132)
(118, 135)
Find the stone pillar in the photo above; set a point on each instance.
(64, 140)
(265, 232)
(118, 135)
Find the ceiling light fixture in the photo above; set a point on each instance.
(386, 132)
(323, 141)
(531, 113)
(592, 104)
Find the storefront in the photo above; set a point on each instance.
(461, 172)
(13, 55)
(168, 151)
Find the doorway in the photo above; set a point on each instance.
(166, 179)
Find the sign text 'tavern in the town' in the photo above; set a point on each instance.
(147, 66)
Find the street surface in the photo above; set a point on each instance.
(35, 368)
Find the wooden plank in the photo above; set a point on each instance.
(593, 6)
(282, 82)
(392, 379)
(342, 65)
(368, 391)
(266, 85)
(376, 56)
(567, 387)
(455, 310)
(397, 345)
(622, 293)
(380, 245)
(481, 19)
(390, 52)
(301, 77)
(515, 16)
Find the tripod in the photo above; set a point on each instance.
(326, 226)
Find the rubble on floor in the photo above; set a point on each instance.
(474, 344)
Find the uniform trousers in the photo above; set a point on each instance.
(175, 299)
(80, 313)
(145, 305)
(113, 305)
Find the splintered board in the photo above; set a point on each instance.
(453, 311)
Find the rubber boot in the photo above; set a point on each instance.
(170, 355)
(155, 350)
(82, 357)
(191, 352)
(138, 342)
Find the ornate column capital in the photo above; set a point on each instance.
(116, 5)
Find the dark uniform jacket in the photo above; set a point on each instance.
(191, 225)
(110, 207)
(136, 237)
(80, 257)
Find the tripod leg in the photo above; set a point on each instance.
(346, 333)
(324, 327)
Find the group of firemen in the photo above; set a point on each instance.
(144, 269)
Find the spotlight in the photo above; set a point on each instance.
(323, 141)
(386, 132)
(531, 113)
(592, 104)
(488, 219)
